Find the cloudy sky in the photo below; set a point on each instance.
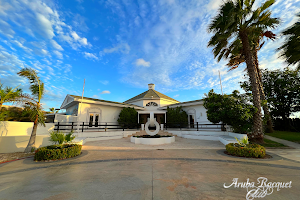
(119, 46)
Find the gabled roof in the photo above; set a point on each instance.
(150, 94)
(78, 98)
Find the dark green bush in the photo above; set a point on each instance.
(55, 152)
(128, 118)
(250, 150)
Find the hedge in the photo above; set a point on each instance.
(55, 152)
(250, 151)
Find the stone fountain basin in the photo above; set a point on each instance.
(153, 141)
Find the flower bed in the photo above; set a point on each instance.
(249, 151)
(56, 152)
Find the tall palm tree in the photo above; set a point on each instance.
(237, 57)
(291, 47)
(9, 94)
(238, 19)
(35, 107)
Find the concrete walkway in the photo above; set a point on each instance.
(107, 171)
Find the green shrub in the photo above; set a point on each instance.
(128, 118)
(250, 150)
(55, 152)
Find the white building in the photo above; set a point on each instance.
(101, 111)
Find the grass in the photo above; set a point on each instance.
(286, 135)
(270, 143)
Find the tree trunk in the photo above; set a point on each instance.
(31, 143)
(257, 131)
(0, 105)
(269, 128)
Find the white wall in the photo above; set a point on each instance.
(9, 128)
(10, 144)
(108, 113)
(200, 113)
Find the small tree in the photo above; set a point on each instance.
(234, 110)
(128, 117)
(35, 108)
(282, 92)
(177, 116)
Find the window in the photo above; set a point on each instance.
(151, 104)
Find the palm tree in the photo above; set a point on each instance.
(291, 47)
(237, 57)
(238, 20)
(9, 94)
(35, 107)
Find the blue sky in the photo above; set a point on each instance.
(119, 46)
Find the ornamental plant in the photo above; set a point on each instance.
(243, 141)
(58, 137)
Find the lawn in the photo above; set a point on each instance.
(270, 143)
(286, 135)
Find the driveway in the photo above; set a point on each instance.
(115, 169)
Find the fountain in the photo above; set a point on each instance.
(155, 139)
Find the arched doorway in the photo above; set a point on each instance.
(191, 117)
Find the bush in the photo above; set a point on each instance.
(176, 117)
(250, 150)
(55, 152)
(128, 118)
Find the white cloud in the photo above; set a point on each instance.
(177, 95)
(5, 29)
(56, 45)
(214, 4)
(105, 82)
(105, 92)
(142, 62)
(123, 48)
(74, 35)
(58, 54)
(90, 56)
(19, 44)
(45, 26)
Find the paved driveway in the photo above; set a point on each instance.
(107, 171)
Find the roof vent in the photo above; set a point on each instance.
(151, 86)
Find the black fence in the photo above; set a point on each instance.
(195, 125)
(86, 126)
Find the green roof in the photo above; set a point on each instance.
(105, 101)
(149, 94)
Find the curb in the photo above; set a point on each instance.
(15, 160)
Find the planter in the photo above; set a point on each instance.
(57, 152)
(152, 141)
